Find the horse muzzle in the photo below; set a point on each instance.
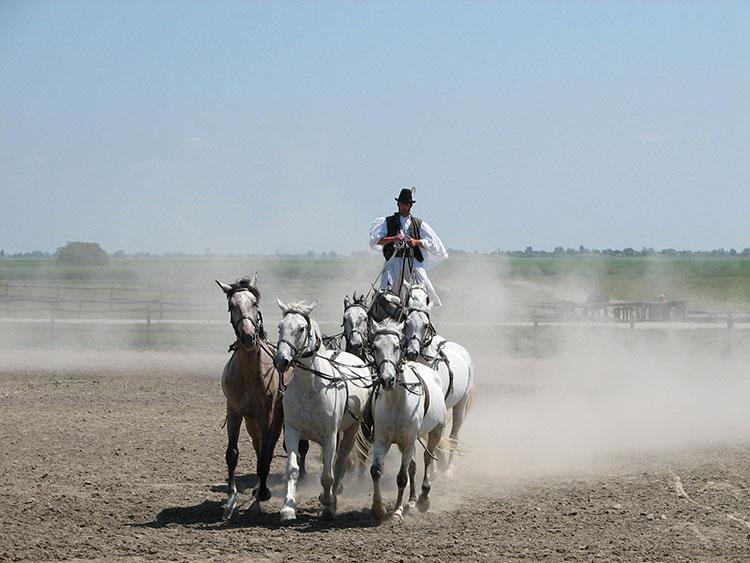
(248, 341)
(412, 353)
(387, 382)
(280, 363)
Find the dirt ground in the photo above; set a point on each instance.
(120, 456)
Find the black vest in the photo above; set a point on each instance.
(393, 222)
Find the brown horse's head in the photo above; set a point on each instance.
(243, 298)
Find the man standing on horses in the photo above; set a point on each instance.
(410, 247)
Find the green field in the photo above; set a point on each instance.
(473, 287)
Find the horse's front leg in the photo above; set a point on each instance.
(234, 421)
(433, 439)
(291, 442)
(327, 497)
(407, 458)
(376, 471)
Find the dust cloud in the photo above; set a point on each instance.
(566, 397)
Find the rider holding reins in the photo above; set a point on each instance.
(410, 247)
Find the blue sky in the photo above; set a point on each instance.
(256, 127)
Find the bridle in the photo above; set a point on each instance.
(429, 331)
(396, 364)
(260, 332)
(355, 330)
(307, 344)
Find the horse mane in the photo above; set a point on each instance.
(387, 324)
(245, 284)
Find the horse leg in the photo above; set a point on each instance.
(433, 439)
(234, 421)
(348, 437)
(376, 471)
(304, 447)
(459, 412)
(407, 457)
(412, 488)
(291, 441)
(328, 497)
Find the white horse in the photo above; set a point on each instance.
(326, 394)
(449, 359)
(408, 404)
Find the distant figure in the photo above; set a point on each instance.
(596, 304)
(410, 248)
(661, 299)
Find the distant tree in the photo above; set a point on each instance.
(76, 252)
(118, 254)
(745, 253)
(310, 254)
(2, 253)
(332, 254)
(628, 251)
(732, 252)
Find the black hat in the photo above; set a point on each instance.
(406, 196)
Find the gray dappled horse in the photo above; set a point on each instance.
(407, 404)
(451, 360)
(325, 396)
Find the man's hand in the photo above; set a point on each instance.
(414, 242)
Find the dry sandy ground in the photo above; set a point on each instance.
(117, 456)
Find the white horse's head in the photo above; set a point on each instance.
(243, 298)
(298, 334)
(419, 330)
(386, 349)
(355, 324)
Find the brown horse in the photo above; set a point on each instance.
(252, 388)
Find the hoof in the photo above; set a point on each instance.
(229, 508)
(340, 488)
(378, 512)
(262, 494)
(398, 516)
(410, 506)
(328, 514)
(288, 514)
(423, 504)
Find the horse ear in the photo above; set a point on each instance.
(346, 302)
(281, 305)
(254, 280)
(226, 288)
(311, 308)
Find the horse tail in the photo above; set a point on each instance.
(469, 401)
(363, 442)
(452, 445)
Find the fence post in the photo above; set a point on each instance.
(148, 324)
(53, 314)
(161, 298)
(730, 322)
(7, 300)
